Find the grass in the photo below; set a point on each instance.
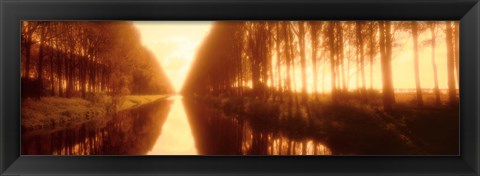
(54, 113)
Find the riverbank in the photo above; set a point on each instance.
(54, 113)
(350, 127)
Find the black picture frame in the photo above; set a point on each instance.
(13, 11)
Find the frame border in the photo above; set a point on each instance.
(13, 11)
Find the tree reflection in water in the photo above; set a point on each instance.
(131, 132)
(218, 134)
(139, 131)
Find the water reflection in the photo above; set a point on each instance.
(218, 134)
(169, 127)
(176, 138)
(131, 132)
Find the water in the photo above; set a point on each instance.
(176, 137)
(174, 126)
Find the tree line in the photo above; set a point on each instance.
(73, 59)
(261, 58)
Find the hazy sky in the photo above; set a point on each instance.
(174, 44)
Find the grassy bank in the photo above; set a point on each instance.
(351, 126)
(55, 112)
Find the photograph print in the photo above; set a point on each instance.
(342, 88)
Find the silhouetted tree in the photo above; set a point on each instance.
(415, 31)
(450, 63)
(433, 26)
(386, 59)
(74, 59)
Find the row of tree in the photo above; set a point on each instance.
(76, 58)
(262, 57)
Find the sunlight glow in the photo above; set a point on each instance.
(174, 44)
(402, 67)
(175, 132)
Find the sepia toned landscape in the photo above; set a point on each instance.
(240, 88)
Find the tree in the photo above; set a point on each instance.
(78, 58)
(315, 28)
(372, 45)
(360, 45)
(450, 63)
(386, 58)
(432, 26)
(332, 51)
(301, 40)
(42, 36)
(457, 49)
(414, 28)
(28, 29)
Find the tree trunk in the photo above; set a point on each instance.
(52, 80)
(372, 47)
(292, 60)
(386, 55)
(279, 78)
(40, 55)
(254, 66)
(340, 56)
(450, 64)
(29, 30)
(83, 74)
(314, 37)
(287, 61)
(59, 70)
(331, 38)
(67, 74)
(301, 38)
(418, 87)
(359, 27)
(27, 57)
(71, 72)
(457, 52)
(362, 65)
(436, 90)
(270, 61)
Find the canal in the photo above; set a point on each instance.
(172, 126)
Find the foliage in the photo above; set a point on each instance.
(270, 59)
(72, 59)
